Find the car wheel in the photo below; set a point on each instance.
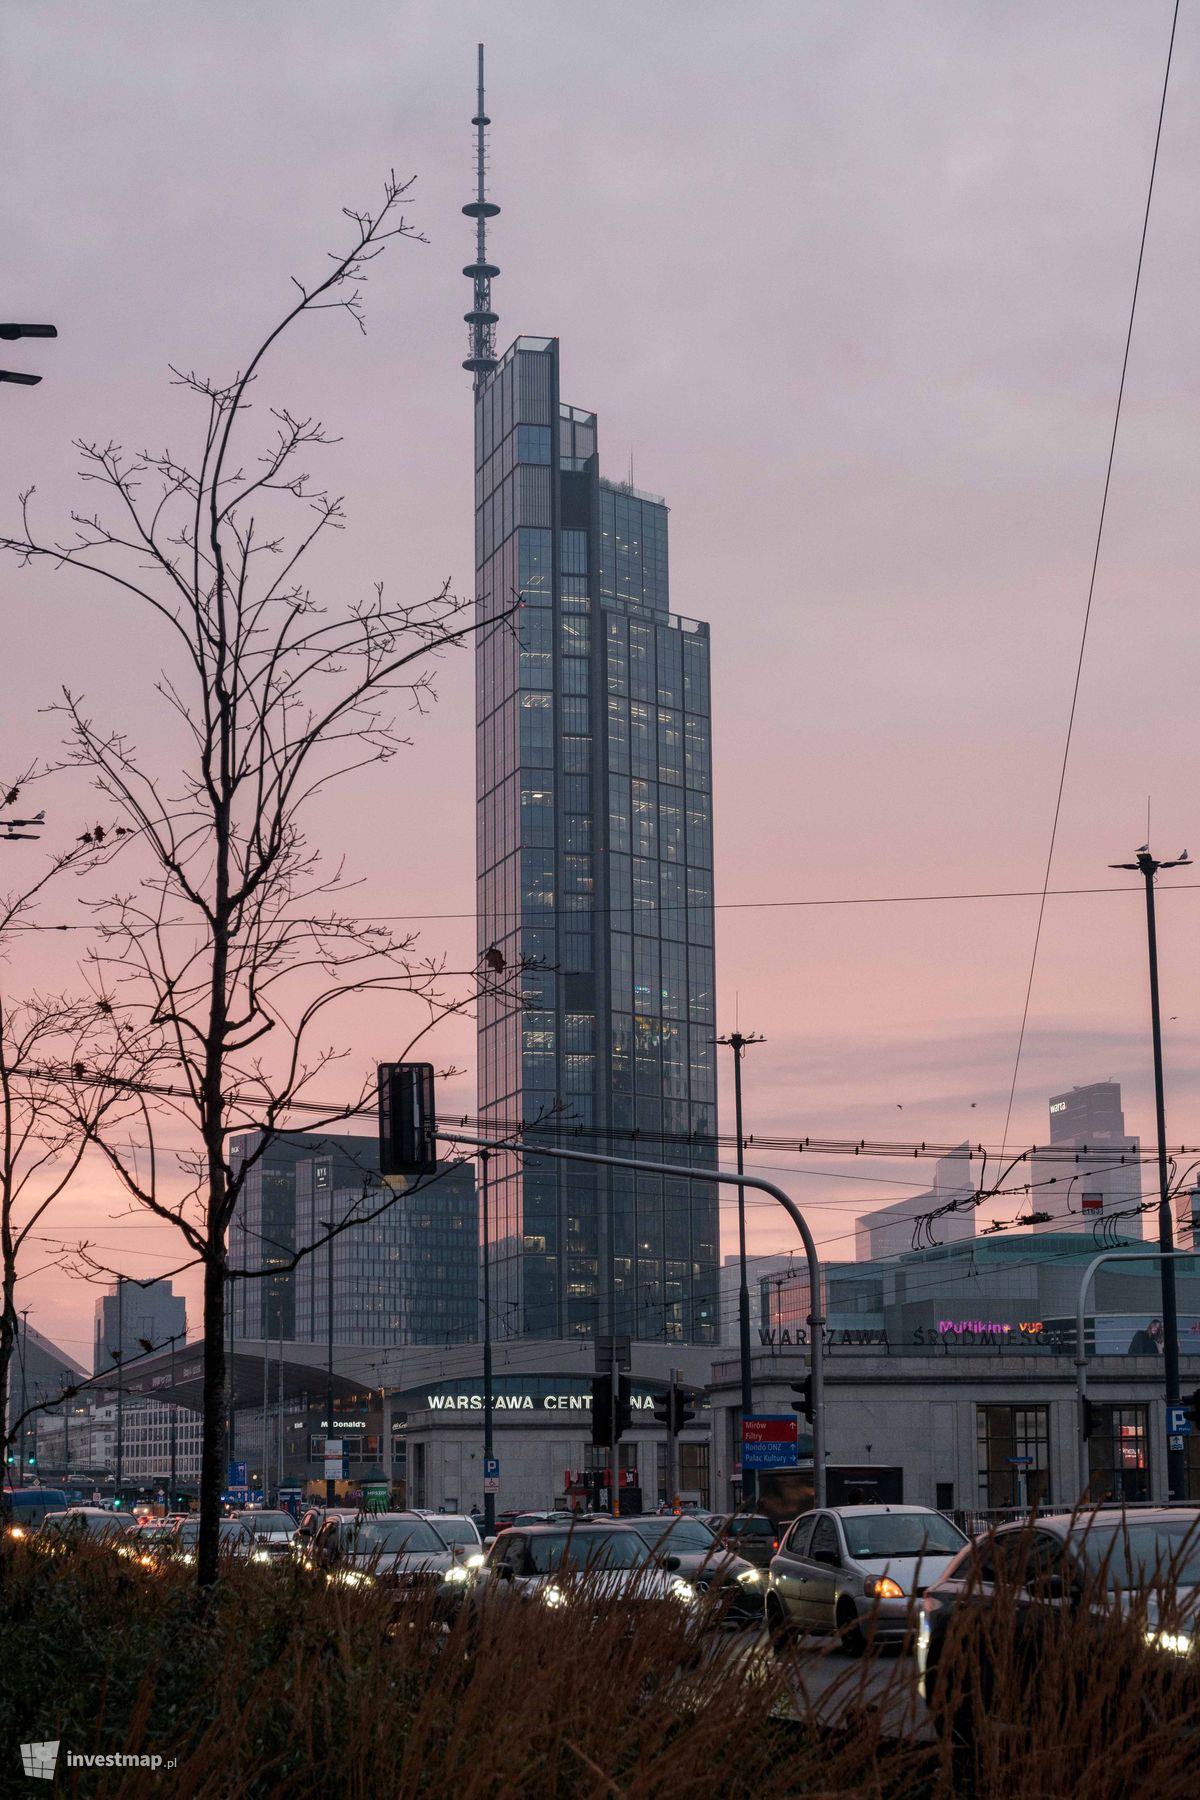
(780, 1628)
(849, 1629)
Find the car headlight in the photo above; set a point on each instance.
(477, 1561)
(882, 1587)
(554, 1596)
(682, 1590)
(1177, 1643)
(354, 1578)
(923, 1632)
(456, 1574)
(262, 1556)
(750, 1577)
(16, 1531)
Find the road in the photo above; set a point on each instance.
(824, 1681)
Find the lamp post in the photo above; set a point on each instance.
(174, 1423)
(1148, 867)
(739, 1044)
(330, 1481)
(489, 1498)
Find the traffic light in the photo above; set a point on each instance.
(602, 1410)
(803, 1405)
(11, 333)
(663, 1410)
(683, 1414)
(407, 1119)
(603, 1421)
(1193, 1409)
(1087, 1418)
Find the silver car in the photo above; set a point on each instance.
(850, 1568)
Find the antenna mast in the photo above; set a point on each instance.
(481, 320)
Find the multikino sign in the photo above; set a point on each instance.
(526, 1403)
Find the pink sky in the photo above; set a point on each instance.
(850, 283)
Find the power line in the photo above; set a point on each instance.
(417, 918)
(1087, 614)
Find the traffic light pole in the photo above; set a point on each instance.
(673, 1442)
(721, 1177)
(489, 1498)
(614, 1439)
(1081, 1393)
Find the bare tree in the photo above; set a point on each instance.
(218, 970)
(43, 1136)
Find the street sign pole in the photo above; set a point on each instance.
(673, 1444)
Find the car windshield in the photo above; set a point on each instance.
(1144, 1556)
(457, 1531)
(873, 1535)
(103, 1527)
(270, 1521)
(587, 1550)
(395, 1537)
(686, 1535)
(232, 1532)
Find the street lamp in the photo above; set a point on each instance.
(1147, 866)
(739, 1045)
(12, 332)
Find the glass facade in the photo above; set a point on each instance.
(409, 1276)
(594, 855)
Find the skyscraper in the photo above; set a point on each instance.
(594, 859)
(1083, 1190)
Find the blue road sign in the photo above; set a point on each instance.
(237, 1475)
(1178, 1422)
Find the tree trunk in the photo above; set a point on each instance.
(212, 1455)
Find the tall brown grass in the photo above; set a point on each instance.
(278, 1689)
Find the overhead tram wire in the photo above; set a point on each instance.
(1087, 614)
(833, 900)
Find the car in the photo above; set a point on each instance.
(1088, 1563)
(856, 1570)
(77, 1524)
(403, 1551)
(272, 1533)
(462, 1534)
(750, 1535)
(560, 1565)
(180, 1542)
(23, 1509)
(698, 1556)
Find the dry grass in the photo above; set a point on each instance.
(279, 1690)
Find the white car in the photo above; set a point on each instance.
(847, 1569)
(555, 1566)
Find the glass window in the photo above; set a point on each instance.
(1118, 1459)
(825, 1538)
(1014, 1455)
(573, 552)
(533, 443)
(800, 1537)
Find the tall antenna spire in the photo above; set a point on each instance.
(481, 319)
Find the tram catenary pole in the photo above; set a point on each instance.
(644, 1167)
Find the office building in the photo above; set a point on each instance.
(890, 1230)
(132, 1316)
(409, 1275)
(263, 1229)
(594, 851)
(406, 1276)
(1104, 1180)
